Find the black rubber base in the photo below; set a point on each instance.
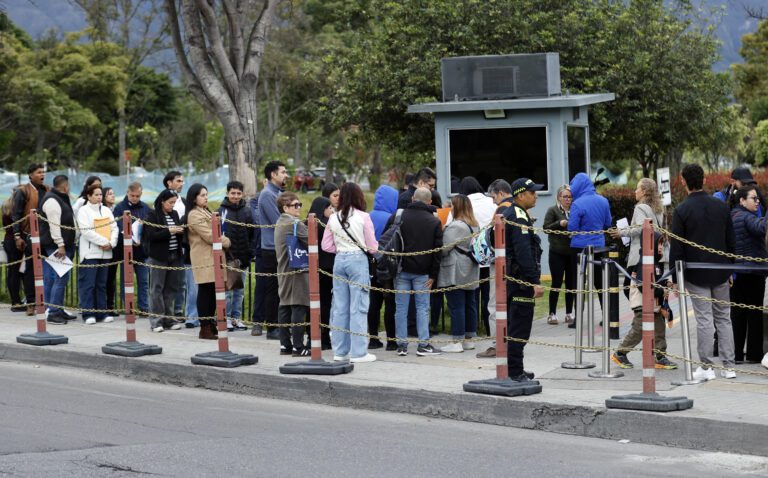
(131, 349)
(649, 402)
(505, 387)
(41, 338)
(317, 367)
(224, 359)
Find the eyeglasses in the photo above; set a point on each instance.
(754, 198)
(297, 205)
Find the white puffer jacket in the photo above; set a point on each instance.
(90, 240)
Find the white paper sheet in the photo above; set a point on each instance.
(623, 223)
(60, 266)
(136, 233)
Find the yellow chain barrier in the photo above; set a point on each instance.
(712, 300)
(85, 266)
(393, 291)
(13, 263)
(569, 291)
(169, 268)
(570, 233)
(266, 274)
(75, 228)
(709, 249)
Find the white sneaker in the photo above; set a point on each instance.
(453, 348)
(727, 374)
(176, 326)
(108, 319)
(705, 374)
(364, 358)
(340, 358)
(467, 345)
(90, 321)
(764, 363)
(158, 329)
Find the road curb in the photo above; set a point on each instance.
(671, 429)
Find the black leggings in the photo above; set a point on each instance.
(559, 265)
(206, 299)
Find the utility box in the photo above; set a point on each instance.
(499, 77)
(504, 117)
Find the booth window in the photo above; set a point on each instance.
(506, 153)
(577, 150)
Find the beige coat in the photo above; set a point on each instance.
(293, 289)
(200, 236)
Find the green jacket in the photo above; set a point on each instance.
(557, 242)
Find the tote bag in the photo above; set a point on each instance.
(298, 256)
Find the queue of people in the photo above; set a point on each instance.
(176, 234)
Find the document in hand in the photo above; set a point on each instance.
(102, 227)
(60, 266)
(623, 224)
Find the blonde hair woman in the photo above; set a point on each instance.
(457, 267)
(648, 207)
(562, 260)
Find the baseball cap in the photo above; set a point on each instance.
(525, 184)
(742, 174)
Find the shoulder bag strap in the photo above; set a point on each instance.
(350, 235)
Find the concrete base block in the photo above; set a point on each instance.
(649, 402)
(505, 387)
(224, 359)
(131, 349)
(317, 367)
(42, 338)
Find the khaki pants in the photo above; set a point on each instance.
(635, 334)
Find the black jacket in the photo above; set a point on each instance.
(705, 221)
(523, 248)
(160, 237)
(421, 231)
(241, 236)
(406, 197)
(749, 234)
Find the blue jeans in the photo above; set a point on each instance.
(463, 307)
(191, 306)
(410, 281)
(350, 305)
(257, 313)
(141, 286)
(54, 286)
(235, 301)
(92, 287)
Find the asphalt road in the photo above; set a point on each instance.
(71, 423)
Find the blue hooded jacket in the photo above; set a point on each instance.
(384, 205)
(589, 212)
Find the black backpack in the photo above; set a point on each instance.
(387, 266)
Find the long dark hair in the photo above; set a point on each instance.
(104, 192)
(327, 189)
(88, 183)
(351, 196)
(164, 195)
(470, 185)
(192, 194)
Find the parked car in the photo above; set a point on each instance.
(336, 178)
(305, 180)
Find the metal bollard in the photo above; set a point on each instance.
(684, 330)
(316, 365)
(606, 370)
(42, 336)
(578, 363)
(590, 300)
(129, 348)
(223, 357)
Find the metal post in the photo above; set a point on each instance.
(649, 400)
(578, 363)
(129, 348)
(606, 369)
(502, 384)
(223, 357)
(41, 337)
(684, 330)
(500, 252)
(316, 365)
(613, 304)
(591, 300)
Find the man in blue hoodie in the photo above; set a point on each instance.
(384, 205)
(589, 212)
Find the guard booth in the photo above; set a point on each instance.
(505, 117)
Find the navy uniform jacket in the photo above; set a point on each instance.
(523, 248)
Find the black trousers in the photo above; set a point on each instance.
(562, 265)
(326, 299)
(748, 324)
(436, 306)
(519, 322)
(292, 314)
(271, 297)
(206, 299)
(111, 282)
(377, 300)
(14, 277)
(482, 296)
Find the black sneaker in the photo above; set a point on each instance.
(621, 360)
(302, 352)
(273, 334)
(375, 344)
(424, 350)
(285, 351)
(391, 346)
(56, 319)
(523, 377)
(664, 363)
(572, 325)
(402, 351)
(528, 374)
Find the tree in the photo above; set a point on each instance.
(220, 59)
(656, 59)
(751, 77)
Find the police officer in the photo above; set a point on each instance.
(523, 249)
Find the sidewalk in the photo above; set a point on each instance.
(728, 415)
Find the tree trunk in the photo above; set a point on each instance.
(240, 167)
(122, 166)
